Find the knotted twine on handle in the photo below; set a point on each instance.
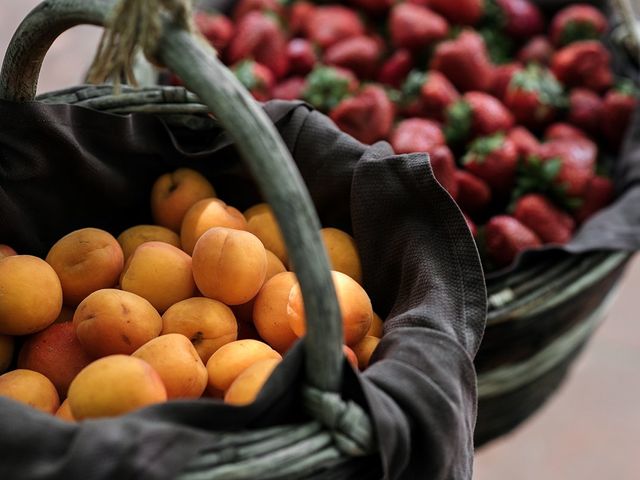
(135, 24)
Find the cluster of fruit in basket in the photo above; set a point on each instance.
(514, 110)
(200, 304)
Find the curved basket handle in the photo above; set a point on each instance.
(254, 135)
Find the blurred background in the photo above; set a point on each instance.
(589, 430)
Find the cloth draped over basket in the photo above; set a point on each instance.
(64, 167)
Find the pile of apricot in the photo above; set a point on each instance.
(199, 304)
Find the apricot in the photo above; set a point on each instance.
(208, 324)
(56, 353)
(174, 193)
(246, 387)
(343, 253)
(30, 388)
(112, 321)
(31, 295)
(86, 260)
(159, 272)
(355, 307)
(377, 326)
(263, 224)
(229, 265)
(6, 352)
(206, 214)
(270, 312)
(177, 362)
(114, 385)
(351, 356)
(232, 359)
(257, 209)
(133, 237)
(6, 251)
(64, 412)
(364, 349)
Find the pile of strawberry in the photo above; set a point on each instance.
(514, 111)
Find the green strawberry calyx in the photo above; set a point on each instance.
(412, 85)
(541, 81)
(626, 87)
(577, 30)
(245, 74)
(459, 117)
(326, 88)
(481, 147)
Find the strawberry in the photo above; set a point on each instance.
(473, 193)
(494, 159)
(329, 24)
(464, 61)
(551, 224)
(436, 94)
(375, 7)
(472, 226)
(506, 237)
(216, 28)
(583, 64)
(526, 144)
(476, 114)
(538, 50)
(577, 161)
(396, 68)
(533, 96)
(618, 107)
(290, 89)
(520, 19)
(575, 23)
(367, 116)
(298, 16)
(359, 54)
(460, 12)
(256, 78)
(444, 168)
(258, 36)
(416, 135)
(415, 27)
(585, 110)
(502, 76)
(243, 7)
(301, 56)
(598, 194)
(326, 87)
(560, 130)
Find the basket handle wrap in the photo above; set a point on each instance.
(255, 136)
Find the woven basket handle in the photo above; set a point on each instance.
(255, 136)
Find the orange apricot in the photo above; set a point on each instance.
(133, 237)
(206, 214)
(31, 388)
(6, 251)
(343, 253)
(64, 412)
(265, 226)
(351, 356)
(377, 326)
(364, 349)
(246, 387)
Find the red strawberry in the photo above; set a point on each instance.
(476, 114)
(416, 135)
(577, 160)
(326, 87)
(216, 28)
(415, 27)
(551, 224)
(559, 130)
(299, 15)
(585, 110)
(506, 237)
(472, 226)
(396, 68)
(444, 168)
(243, 7)
(373, 6)
(473, 193)
(494, 159)
(464, 61)
(619, 105)
(583, 64)
(436, 94)
(460, 12)
(577, 22)
(533, 96)
(538, 50)
(598, 194)
(256, 78)
(367, 117)
(359, 54)
(259, 37)
(526, 144)
(301, 55)
(502, 76)
(522, 18)
(290, 89)
(329, 24)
